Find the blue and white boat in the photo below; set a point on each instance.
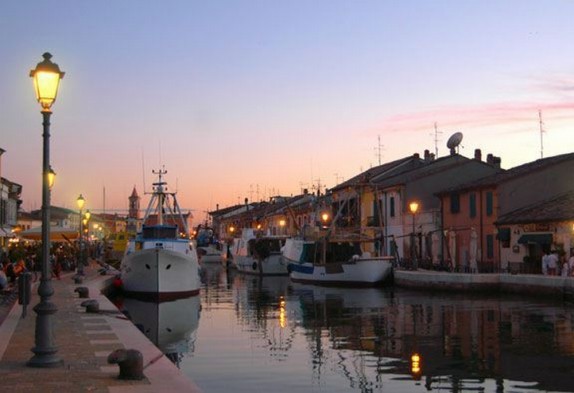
(338, 263)
(161, 262)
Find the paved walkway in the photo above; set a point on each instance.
(84, 341)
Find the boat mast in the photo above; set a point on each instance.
(159, 191)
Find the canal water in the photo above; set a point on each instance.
(250, 334)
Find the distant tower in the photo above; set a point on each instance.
(134, 211)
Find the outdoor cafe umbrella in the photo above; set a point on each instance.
(57, 234)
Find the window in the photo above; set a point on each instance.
(392, 206)
(472, 205)
(489, 207)
(454, 202)
(489, 246)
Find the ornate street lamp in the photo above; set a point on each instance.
(414, 207)
(80, 268)
(46, 77)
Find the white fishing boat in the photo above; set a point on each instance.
(335, 263)
(161, 262)
(257, 254)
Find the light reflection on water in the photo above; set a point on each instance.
(272, 335)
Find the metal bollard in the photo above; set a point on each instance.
(92, 306)
(24, 291)
(83, 292)
(130, 362)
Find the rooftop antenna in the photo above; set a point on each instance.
(337, 177)
(454, 142)
(542, 131)
(379, 148)
(436, 133)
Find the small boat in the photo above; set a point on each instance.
(253, 253)
(161, 263)
(330, 262)
(209, 248)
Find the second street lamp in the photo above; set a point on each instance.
(80, 268)
(46, 77)
(414, 207)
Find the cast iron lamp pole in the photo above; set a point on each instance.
(86, 222)
(46, 77)
(413, 207)
(80, 268)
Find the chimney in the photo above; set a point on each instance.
(427, 155)
(477, 155)
(217, 207)
(246, 203)
(416, 156)
(305, 191)
(432, 157)
(490, 159)
(496, 161)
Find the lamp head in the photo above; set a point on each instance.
(87, 214)
(80, 201)
(414, 207)
(46, 77)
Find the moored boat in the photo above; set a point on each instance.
(209, 248)
(161, 263)
(330, 262)
(254, 253)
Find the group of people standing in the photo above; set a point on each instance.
(553, 265)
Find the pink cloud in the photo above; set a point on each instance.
(495, 114)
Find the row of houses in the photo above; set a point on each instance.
(472, 215)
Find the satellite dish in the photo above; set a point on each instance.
(454, 141)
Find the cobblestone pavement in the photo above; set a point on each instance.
(84, 342)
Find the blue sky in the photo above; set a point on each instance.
(240, 95)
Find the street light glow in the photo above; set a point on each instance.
(46, 77)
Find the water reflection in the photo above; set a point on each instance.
(273, 335)
(171, 326)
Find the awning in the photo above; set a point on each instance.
(6, 232)
(538, 238)
(57, 234)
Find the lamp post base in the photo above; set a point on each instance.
(45, 352)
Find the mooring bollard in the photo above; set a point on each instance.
(92, 306)
(130, 362)
(84, 292)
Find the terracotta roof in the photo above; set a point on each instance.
(560, 208)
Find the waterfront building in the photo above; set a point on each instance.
(479, 204)
(10, 194)
(134, 218)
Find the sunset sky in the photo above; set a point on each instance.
(254, 98)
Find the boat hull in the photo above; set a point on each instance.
(361, 270)
(364, 272)
(160, 274)
(210, 254)
(274, 265)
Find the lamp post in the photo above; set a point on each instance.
(46, 77)
(80, 268)
(414, 207)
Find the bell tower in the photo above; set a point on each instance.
(134, 211)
